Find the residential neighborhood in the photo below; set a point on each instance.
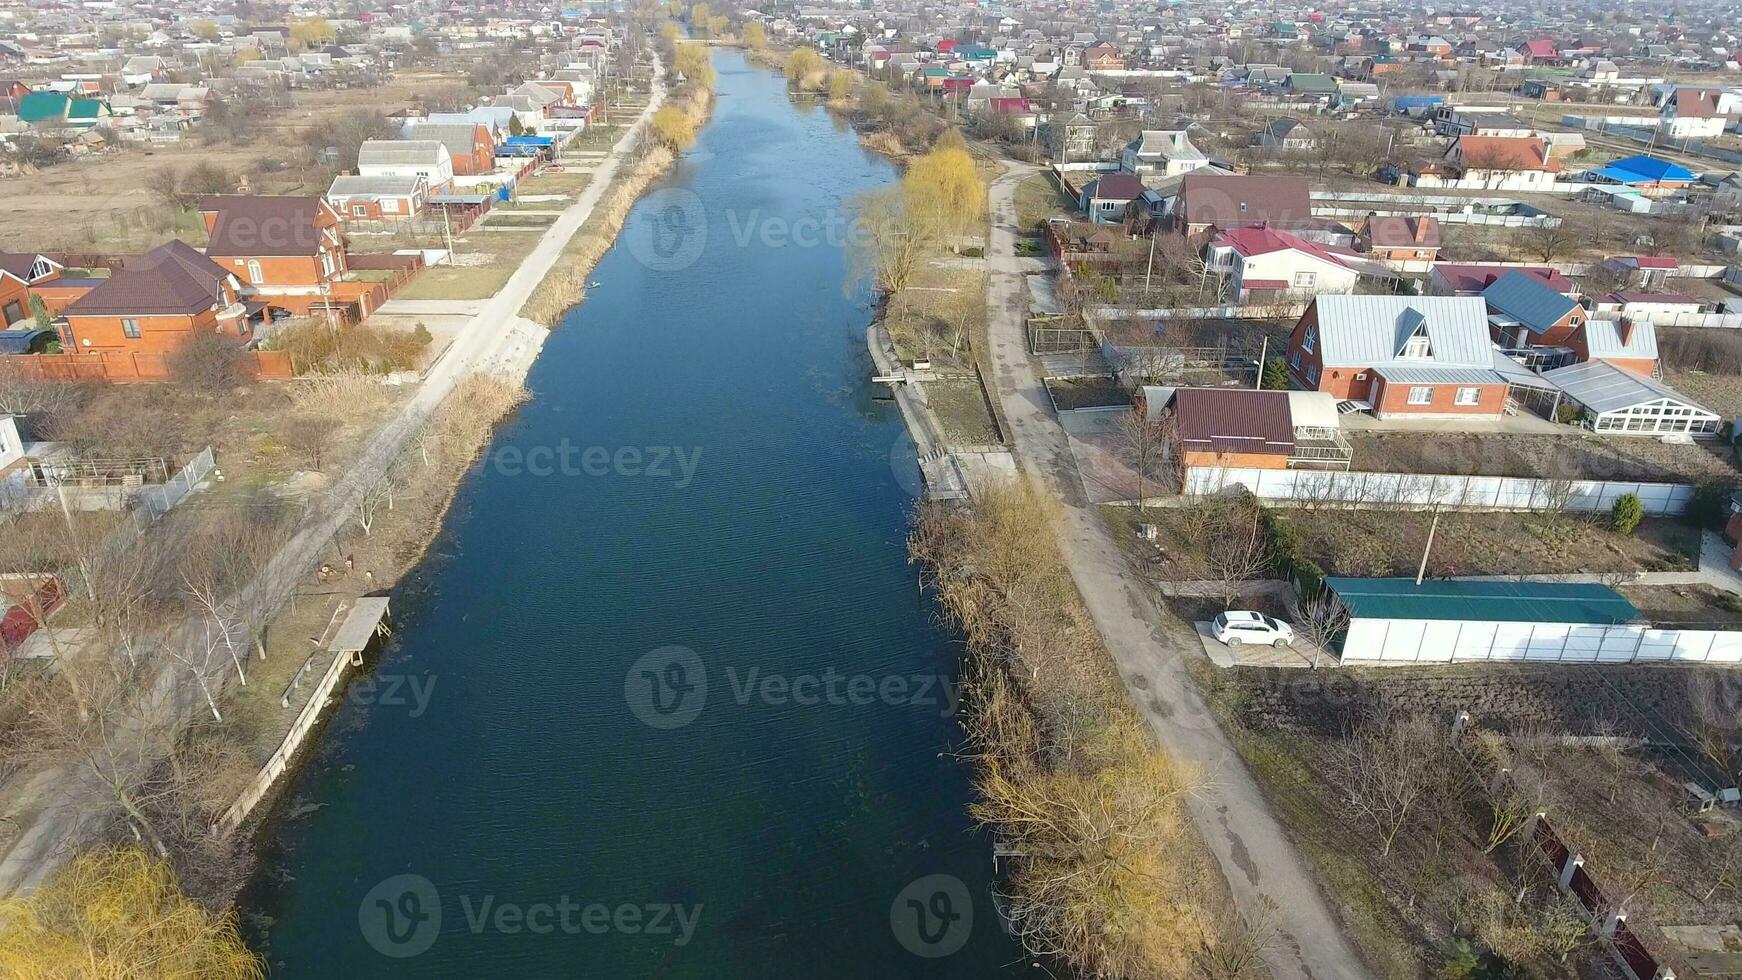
(1230, 491)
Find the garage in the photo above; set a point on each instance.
(1397, 620)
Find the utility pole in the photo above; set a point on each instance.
(1150, 269)
(1263, 354)
(1421, 571)
(448, 232)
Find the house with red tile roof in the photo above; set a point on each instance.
(1692, 113)
(1508, 163)
(1540, 51)
(1264, 264)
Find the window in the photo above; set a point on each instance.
(1576, 320)
(255, 275)
(1305, 280)
(1415, 347)
(1313, 374)
(390, 205)
(1421, 395)
(359, 210)
(1294, 359)
(1468, 396)
(1310, 339)
(14, 313)
(327, 265)
(130, 328)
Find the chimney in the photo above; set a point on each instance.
(1625, 330)
(1421, 228)
(1544, 152)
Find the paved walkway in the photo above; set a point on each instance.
(1151, 650)
(496, 339)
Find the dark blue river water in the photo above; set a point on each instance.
(665, 700)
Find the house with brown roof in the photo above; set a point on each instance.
(1227, 201)
(1692, 113)
(154, 303)
(287, 251)
(1400, 238)
(1241, 427)
(1500, 163)
(1102, 57)
(470, 146)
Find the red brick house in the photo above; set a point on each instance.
(287, 251)
(1102, 57)
(1400, 238)
(1400, 356)
(154, 303)
(19, 273)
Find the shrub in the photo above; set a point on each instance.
(1627, 513)
(1569, 414)
(1275, 375)
(208, 362)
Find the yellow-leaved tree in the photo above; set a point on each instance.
(311, 32)
(840, 86)
(755, 35)
(113, 913)
(801, 63)
(695, 64)
(673, 128)
(944, 186)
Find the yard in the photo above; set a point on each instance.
(481, 265)
(1570, 740)
(1038, 198)
(1569, 456)
(1378, 543)
(938, 316)
(961, 408)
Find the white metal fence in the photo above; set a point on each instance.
(156, 501)
(1420, 491)
(1440, 641)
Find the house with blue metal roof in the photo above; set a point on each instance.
(1524, 312)
(1642, 172)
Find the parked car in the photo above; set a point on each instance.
(1237, 626)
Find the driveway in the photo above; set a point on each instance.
(1151, 649)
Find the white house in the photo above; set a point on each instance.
(1692, 113)
(1262, 263)
(1163, 152)
(428, 159)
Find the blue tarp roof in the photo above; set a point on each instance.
(1525, 299)
(22, 341)
(1504, 602)
(1644, 169)
(530, 141)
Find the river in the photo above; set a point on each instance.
(665, 699)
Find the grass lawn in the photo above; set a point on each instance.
(520, 221)
(1037, 199)
(482, 264)
(961, 407)
(569, 182)
(943, 308)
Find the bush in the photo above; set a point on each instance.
(1697, 349)
(1569, 414)
(1627, 514)
(315, 347)
(1275, 375)
(208, 362)
(1710, 506)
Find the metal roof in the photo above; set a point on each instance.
(1527, 300)
(1603, 339)
(1485, 601)
(395, 152)
(1367, 331)
(1603, 387)
(1404, 372)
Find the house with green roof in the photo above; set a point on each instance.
(1311, 84)
(57, 110)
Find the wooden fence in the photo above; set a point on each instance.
(1610, 923)
(124, 367)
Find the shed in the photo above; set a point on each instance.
(1443, 620)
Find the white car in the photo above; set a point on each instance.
(1236, 627)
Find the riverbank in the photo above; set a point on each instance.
(447, 448)
(363, 528)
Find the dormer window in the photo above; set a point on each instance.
(1415, 346)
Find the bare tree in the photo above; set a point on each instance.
(1145, 441)
(1237, 553)
(1385, 766)
(1320, 620)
